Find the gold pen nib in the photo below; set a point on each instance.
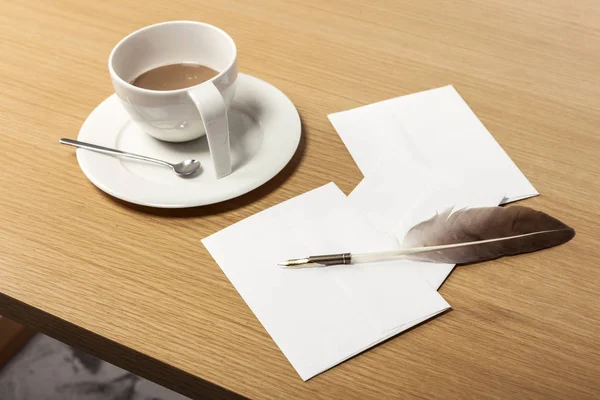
(295, 263)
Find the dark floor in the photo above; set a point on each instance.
(46, 369)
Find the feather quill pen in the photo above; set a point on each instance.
(479, 234)
(465, 236)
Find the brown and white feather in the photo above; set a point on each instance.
(479, 234)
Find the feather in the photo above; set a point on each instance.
(479, 234)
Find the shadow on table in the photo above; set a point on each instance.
(228, 205)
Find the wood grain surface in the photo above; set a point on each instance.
(135, 286)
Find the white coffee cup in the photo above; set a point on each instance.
(184, 114)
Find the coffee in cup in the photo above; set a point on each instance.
(174, 76)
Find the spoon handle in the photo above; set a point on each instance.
(107, 150)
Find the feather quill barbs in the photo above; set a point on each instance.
(479, 234)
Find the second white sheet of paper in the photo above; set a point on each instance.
(415, 151)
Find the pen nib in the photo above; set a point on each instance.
(298, 262)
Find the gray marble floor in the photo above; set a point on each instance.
(47, 369)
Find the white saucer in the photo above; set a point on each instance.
(265, 132)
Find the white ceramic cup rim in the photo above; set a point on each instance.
(167, 92)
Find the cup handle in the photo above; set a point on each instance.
(212, 108)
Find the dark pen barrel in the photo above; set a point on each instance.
(332, 259)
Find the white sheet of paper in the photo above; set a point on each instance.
(434, 130)
(395, 207)
(320, 317)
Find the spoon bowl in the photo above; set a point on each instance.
(186, 167)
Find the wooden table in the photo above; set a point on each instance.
(110, 277)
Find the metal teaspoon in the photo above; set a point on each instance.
(184, 168)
